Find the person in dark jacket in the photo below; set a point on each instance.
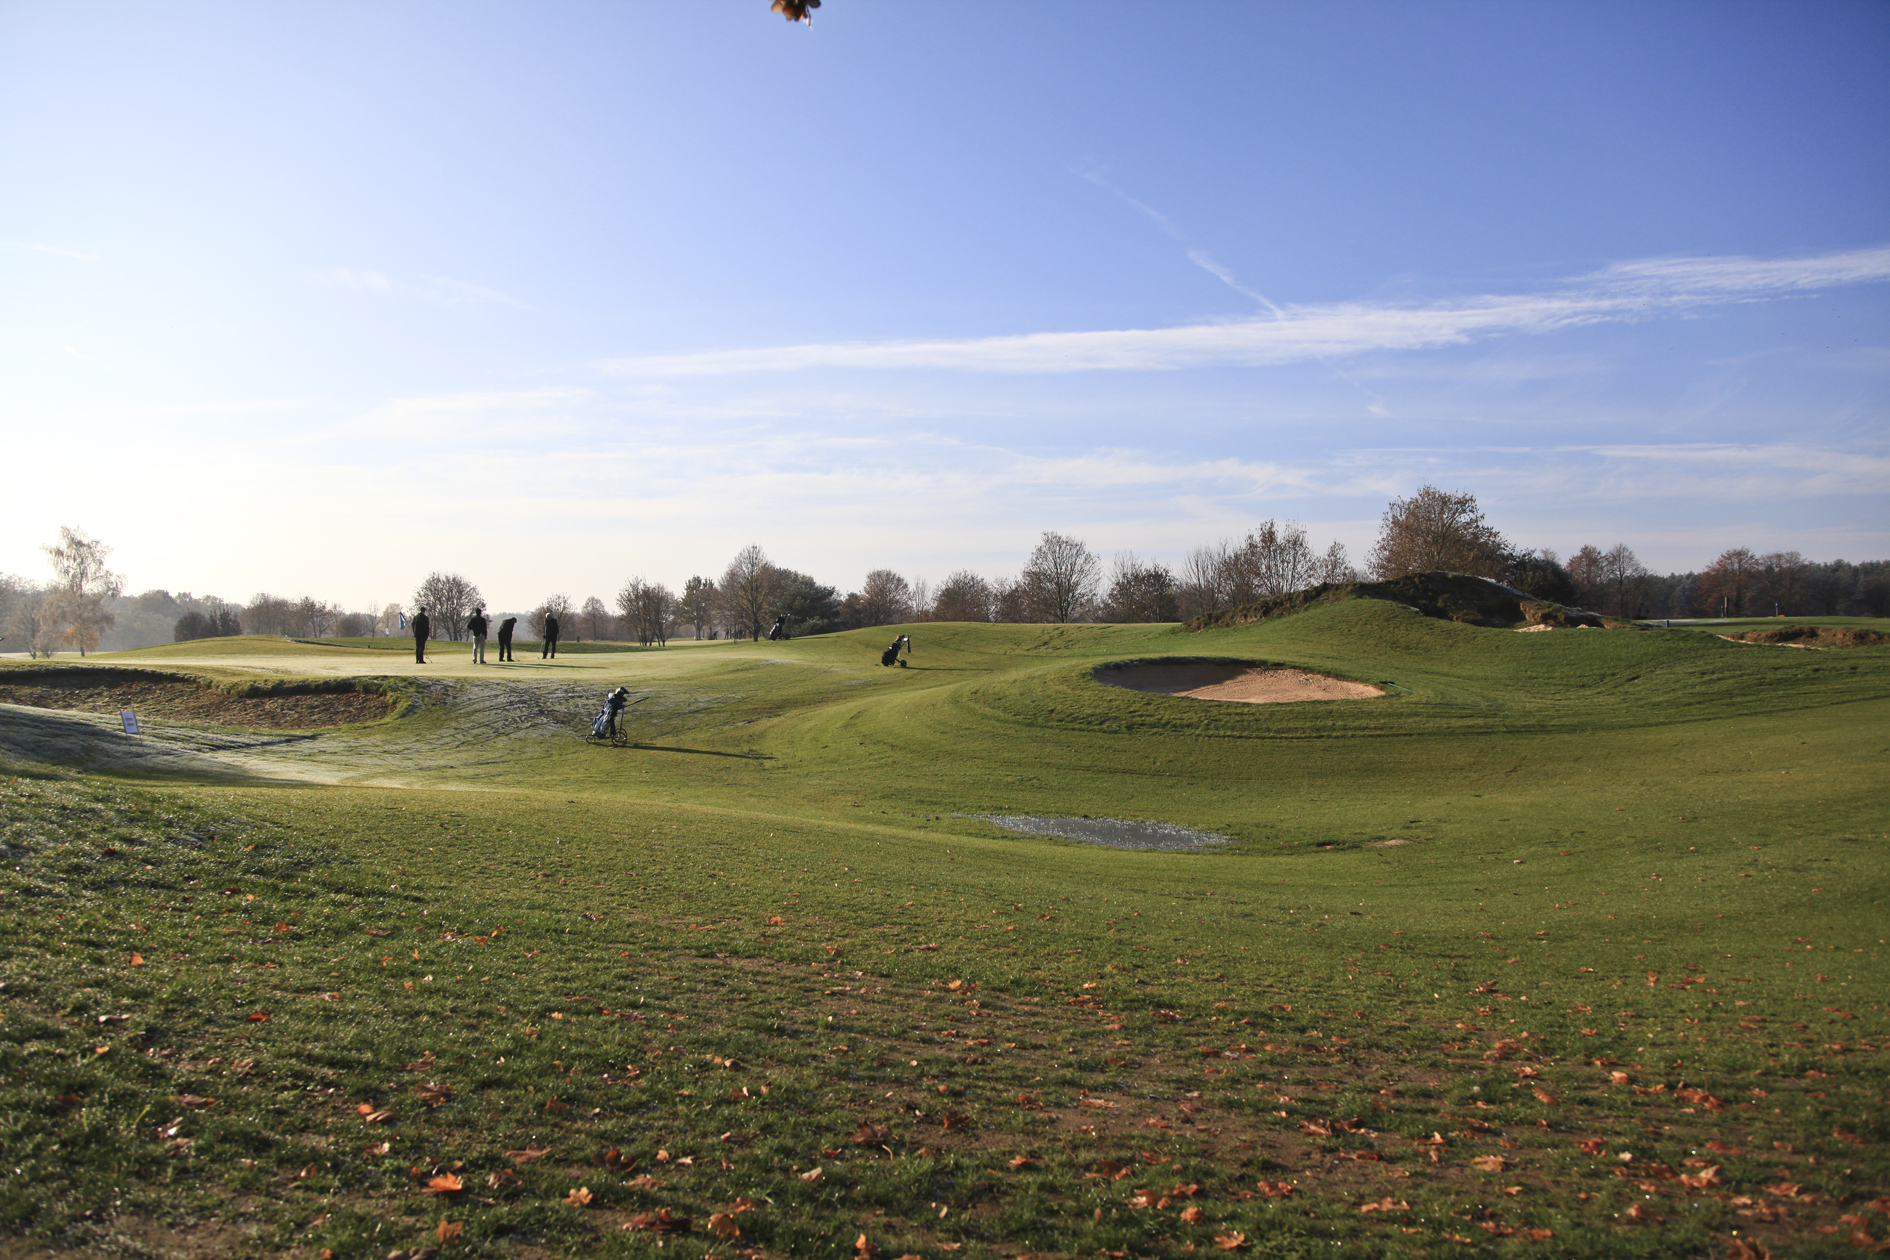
(422, 631)
(505, 638)
(551, 637)
(476, 627)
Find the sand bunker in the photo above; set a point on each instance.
(1233, 681)
(1116, 833)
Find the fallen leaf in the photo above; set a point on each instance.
(869, 1134)
(137, 960)
(813, 1174)
(580, 1197)
(445, 1183)
(661, 1221)
(1275, 1189)
(1232, 1241)
(1490, 1163)
(558, 1105)
(193, 1100)
(449, 1232)
(527, 1155)
(1545, 1097)
(1704, 1179)
(1386, 1205)
(643, 1181)
(1192, 1215)
(723, 1225)
(433, 1095)
(503, 1178)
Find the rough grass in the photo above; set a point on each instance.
(1545, 860)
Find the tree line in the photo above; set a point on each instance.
(1063, 580)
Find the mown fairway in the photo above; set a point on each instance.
(1572, 944)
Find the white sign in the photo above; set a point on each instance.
(130, 720)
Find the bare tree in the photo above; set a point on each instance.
(647, 609)
(82, 585)
(1436, 530)
(1010, 601)
(32, 625)
(1585, 572)
(748, 590)
(963, 596)
(884, 599)
(596, 618)
(1335, 566)
(697, 605)
(920, 600)
(1783, 582)
(316, 618)
(448, 600)
(1061, 578)
(558, 606)
(1140, 591)
(1626, 580)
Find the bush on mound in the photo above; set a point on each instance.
(1447, 596)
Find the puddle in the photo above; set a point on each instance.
(1116, 833)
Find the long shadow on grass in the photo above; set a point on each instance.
(702, 752)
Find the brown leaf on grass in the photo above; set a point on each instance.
(956, 1122)
(864, 1247)
(1110, 1169)
(137, 960)
(449, 1232)
(870, 1134)
(661, 1221)
(193, 1100)
(813, 1174)
(1743, 1249)
(258, 1017)
(1705, 1179)
(775, 920)
(722, 1225)
(1490, 1163)
(445, 1183)
(371, 1116)
(1233, 1240)
(1640, 1212)
(594, 918)
(557, 1105)
(1385, 1205)
(1545, 1097)
(1142, 1199)
(380, 1148)
(1540, 1235)
(1318, 1128)
(643, 1181)
(527, 1155)
(1192, 1215)
(433, 1095)
(1275, 1189)
(580, 1197)
(504, 1179)
(1592, 1146)
(1023, 1161)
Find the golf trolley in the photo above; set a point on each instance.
(607, 726)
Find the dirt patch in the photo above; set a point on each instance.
(1813, 637)
(1114, 833)
(182, 698)
(1237, 682)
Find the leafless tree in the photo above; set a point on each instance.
(596, 618)
(1140, 590)
(1436, 530)
(1335, 565)
(1061, 577)
(317, 618)
(449, 600)
(82, 586)
(748, 590)
(558, 606)
(647, 609)
(884, 599)
(1010, 601)
(354, 625)
(964, 596)
(32, 625)
(1783, 582)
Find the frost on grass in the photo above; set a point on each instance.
(1116, 833)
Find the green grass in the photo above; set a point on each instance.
(1654, 854)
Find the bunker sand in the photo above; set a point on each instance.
(1239, 684)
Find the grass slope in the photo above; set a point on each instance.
(1619, 991)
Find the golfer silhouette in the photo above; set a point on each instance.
(551, 637)
(422, 630)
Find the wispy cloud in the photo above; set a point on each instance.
(58, 251)
(441, 289)
(1622, 293)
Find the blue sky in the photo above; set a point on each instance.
(318, 298)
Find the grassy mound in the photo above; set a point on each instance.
(1447, 596)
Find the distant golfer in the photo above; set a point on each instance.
(551, 637)
(780, 629)
(891, 654)
(505, 638)
(422, 630)
(476, 627)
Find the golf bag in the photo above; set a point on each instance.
(891, 654)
